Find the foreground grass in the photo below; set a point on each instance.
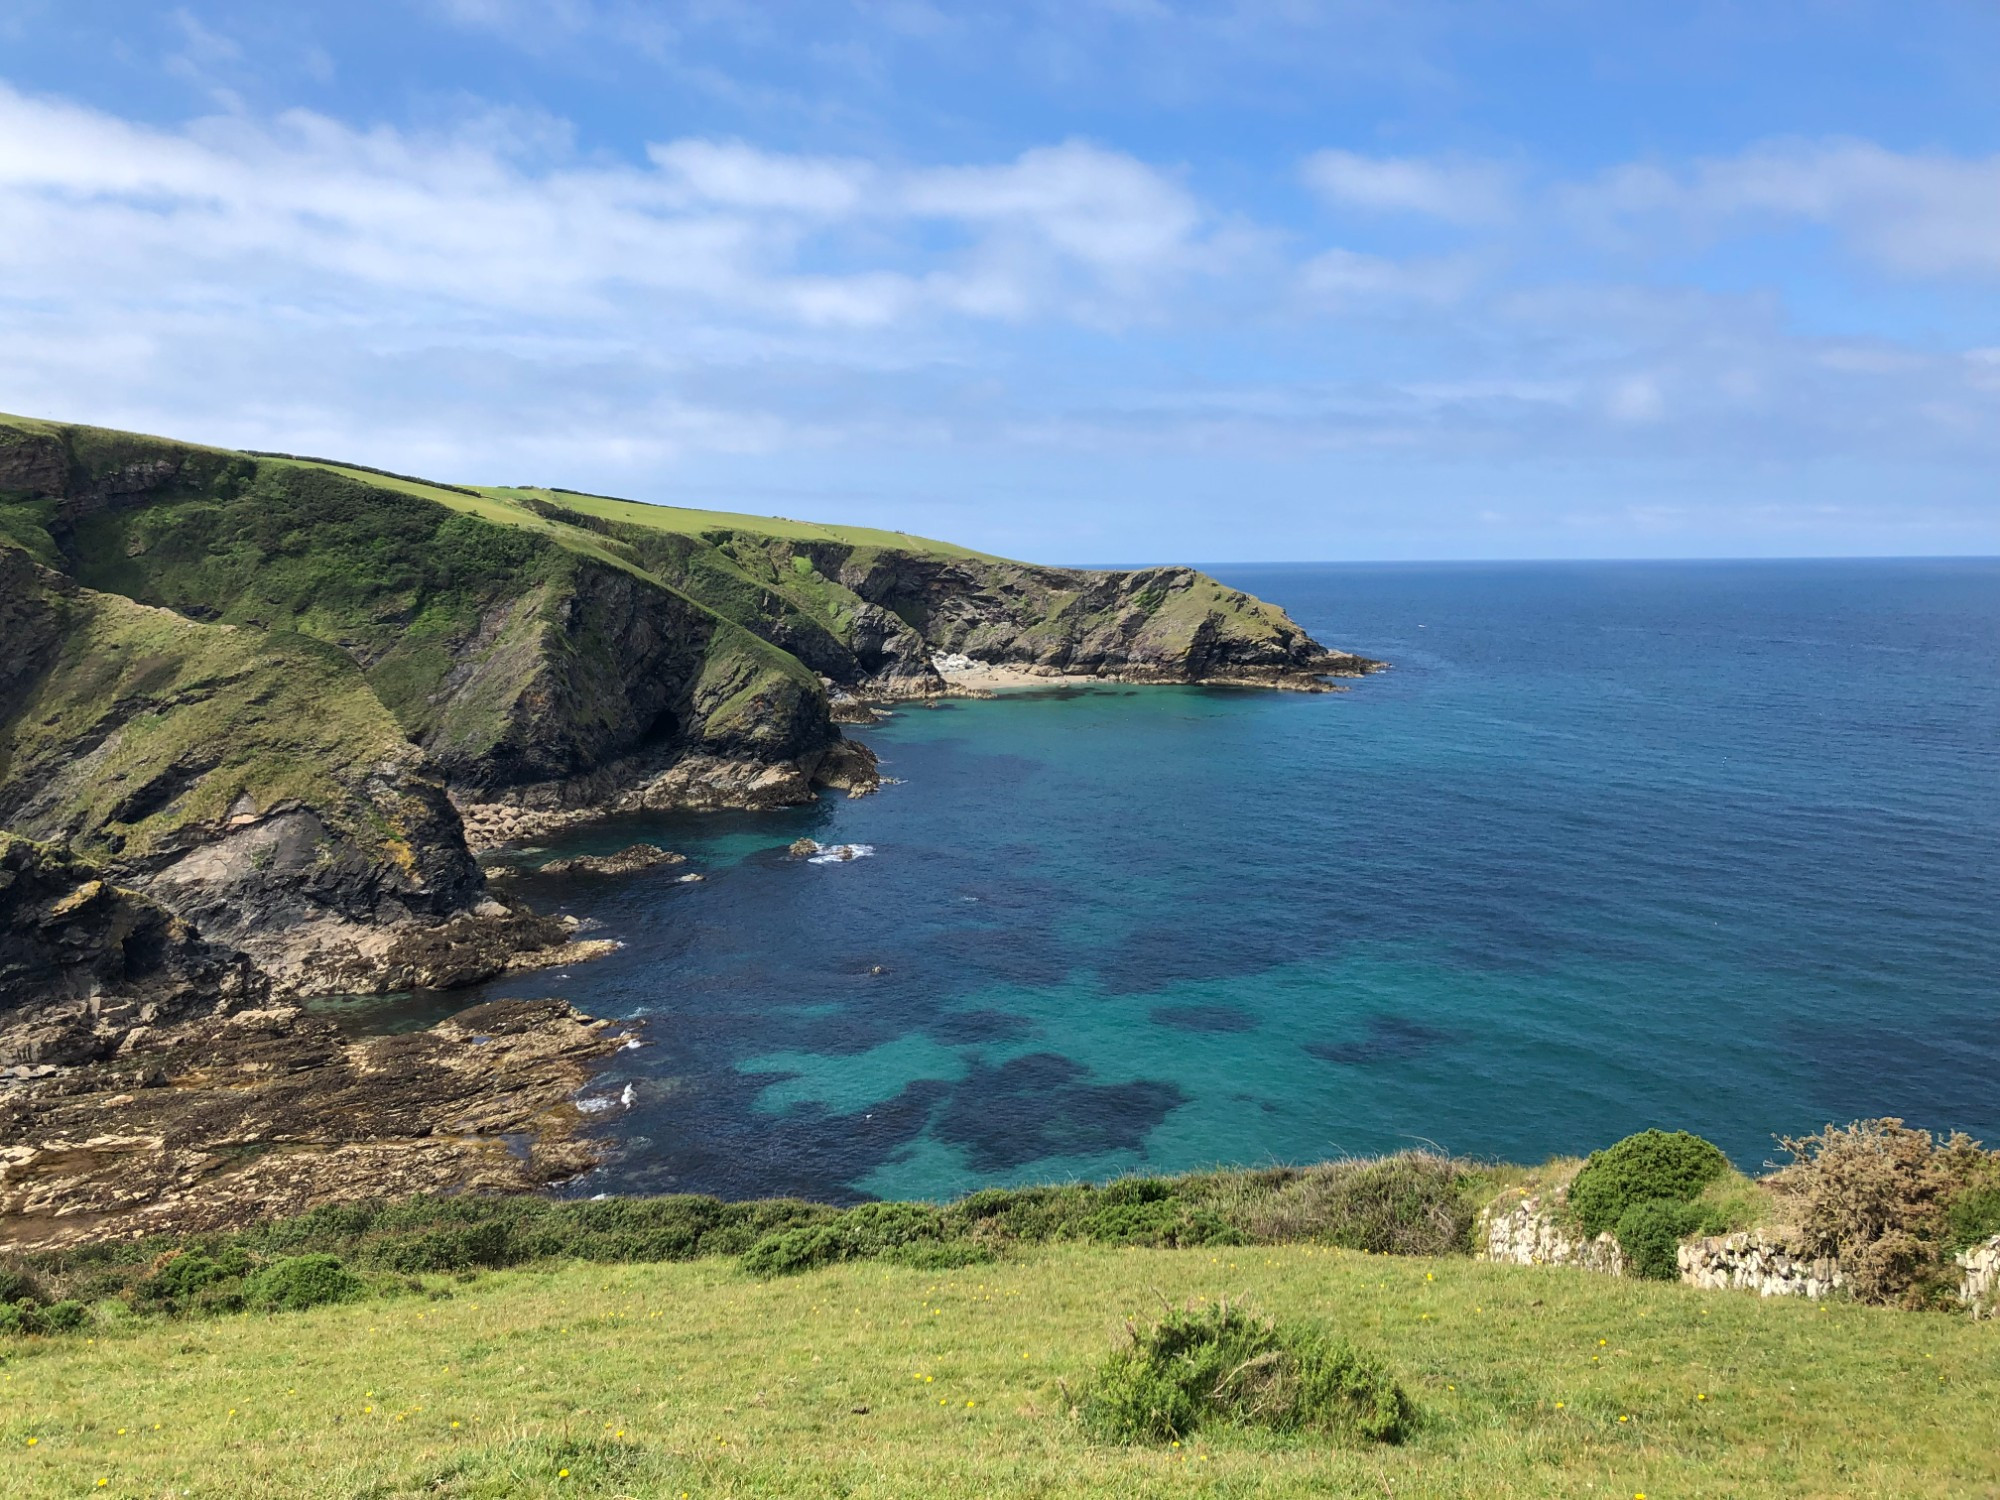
(867, 1380)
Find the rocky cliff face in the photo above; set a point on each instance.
(247, 781)
(86, 966)
(1146, 625)
(276, 695)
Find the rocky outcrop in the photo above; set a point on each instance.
(86, 966)
(692, 782)
(1145, 625)
(267, 1111)
(627, 861)
(1524, 1234)
(1768, 1265)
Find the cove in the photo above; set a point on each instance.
(1706, 845)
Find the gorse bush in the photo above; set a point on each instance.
(1221, 1366)
(17, 1285)
(1650, 1167)
(26, 1316)
(1973, 1216)
(1891, 1202)
(185, 1276)
(301, 1281)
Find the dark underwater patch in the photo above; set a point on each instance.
(1389, 1039)
(971, 1028)
(1042, 1105)
(1205, 1018)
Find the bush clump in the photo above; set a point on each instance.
(1412, 1203)
(18, 1286)
(1654, 1166)
(195, 1276)
(913, 1234)
(300, 1281)
(1891, 1203)
(27, 1316)
(1650, 1234)
(1221, 1366)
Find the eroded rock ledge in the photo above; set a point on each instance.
(268, 1110)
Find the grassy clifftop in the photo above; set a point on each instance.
(878, 1381)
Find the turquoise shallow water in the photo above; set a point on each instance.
(1612, 845)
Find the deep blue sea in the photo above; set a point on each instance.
(1701, 845)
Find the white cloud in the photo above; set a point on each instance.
(1348, 280)
(1917, 213)
(739, 176)
(1454, 189)
(499, 218)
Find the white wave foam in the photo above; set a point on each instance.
(840, 854)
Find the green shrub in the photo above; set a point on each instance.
(1974, 1216)
(61, 1317)
(1652, 1166)
(29, 1317)
(458, 1248)
(302, 1281)
(911, 1233)
(1650, 1234)
(18, 1286)
(793, 1250)
(1164, 1222)
(1219, 1365)
(192, 1271)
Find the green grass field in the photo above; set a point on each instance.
(868, 1380)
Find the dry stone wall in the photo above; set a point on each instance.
(1979, 1285)
(1525, 1235)
(1752, 1262)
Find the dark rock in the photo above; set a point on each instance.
(85, 964)
(628, 861)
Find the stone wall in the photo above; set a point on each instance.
(1979, 1286)
(1525, 1235)
(1756, 1263)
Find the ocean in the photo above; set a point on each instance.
(1712, 846)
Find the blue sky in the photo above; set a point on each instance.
(1084, 280)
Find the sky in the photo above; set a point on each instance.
(1076, 280)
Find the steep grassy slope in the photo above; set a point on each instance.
(878, 1381)
(513, 652)
(249, 779)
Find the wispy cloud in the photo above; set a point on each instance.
(1915, 213)
(1457, 190)
(493, 299)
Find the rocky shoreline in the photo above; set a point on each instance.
(261, 715)
(247, 1114)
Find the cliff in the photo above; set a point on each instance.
(284, 697)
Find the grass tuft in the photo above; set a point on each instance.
(1218, 1365)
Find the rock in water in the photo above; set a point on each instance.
(804, 848)
(627, 861)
